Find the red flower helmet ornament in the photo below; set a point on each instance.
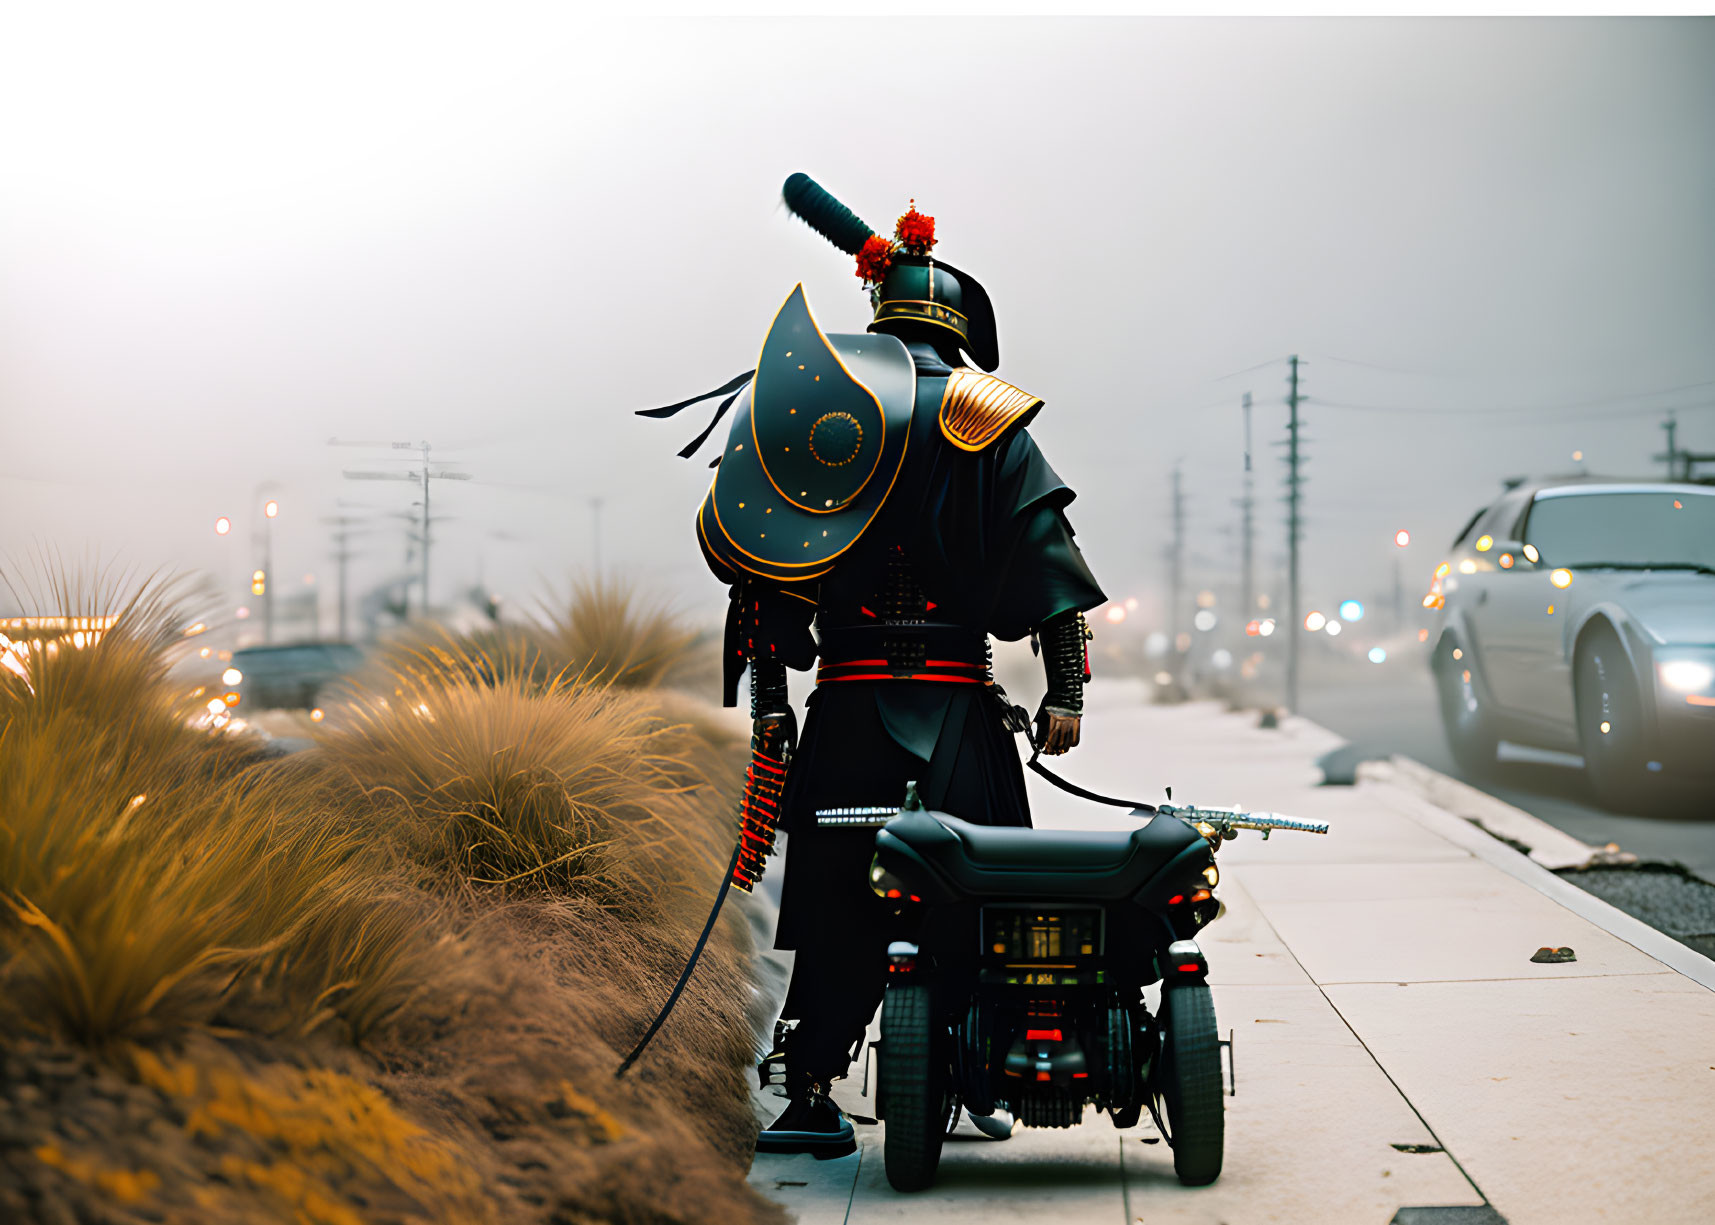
(913, 234)
(874, 258)
(916, 232)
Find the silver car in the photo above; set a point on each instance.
(1580, 617)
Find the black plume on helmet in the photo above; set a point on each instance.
(812, 204)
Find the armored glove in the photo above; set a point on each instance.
(1064, 659)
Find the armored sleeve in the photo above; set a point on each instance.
(767, 630)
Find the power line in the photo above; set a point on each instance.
(1616, 398)
(1600, 414)
(1235, 374)
(1346, 361)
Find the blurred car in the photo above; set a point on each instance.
(290, 676)
(1580, 617)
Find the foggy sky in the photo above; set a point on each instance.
(224, 241)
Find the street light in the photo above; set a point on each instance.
(1402, 538)
(1315, 621)
(258, 584)
(222, 526)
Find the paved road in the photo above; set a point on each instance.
(1397, 714)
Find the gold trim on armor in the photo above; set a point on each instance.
(940, 306)
(881, 446)
(915, 310)
(712, 502)
(978, 408)
(836, 463)
(928, 323)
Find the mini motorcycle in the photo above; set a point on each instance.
(1018, 981)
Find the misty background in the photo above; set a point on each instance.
(226, 237)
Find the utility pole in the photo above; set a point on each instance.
(426, 524)
(342, 555)
(1176, 563)
(262, 580)
(1294, 615)
(430, 470)
(268, 578)
(1247, 582)
(1671, 426)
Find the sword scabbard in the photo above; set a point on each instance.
(759, 809)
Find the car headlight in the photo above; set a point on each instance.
(1685, 675)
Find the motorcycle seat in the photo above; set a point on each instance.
(1009, 861)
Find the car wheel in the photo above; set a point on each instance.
(1611, 730)
(1464, 713)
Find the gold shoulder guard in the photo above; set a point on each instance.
(978, 408)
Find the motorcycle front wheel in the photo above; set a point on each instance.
(914, 1088)
(1190, 1083)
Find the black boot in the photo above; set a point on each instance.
(811, 1123)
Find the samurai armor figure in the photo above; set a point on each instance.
(880, 512)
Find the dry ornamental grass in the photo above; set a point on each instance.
(450, 916)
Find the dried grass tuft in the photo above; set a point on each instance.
(607, 632)
(146, 865)
(493, 776)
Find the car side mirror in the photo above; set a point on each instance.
(1513, 555)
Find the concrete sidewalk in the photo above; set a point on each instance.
(1395, 1046)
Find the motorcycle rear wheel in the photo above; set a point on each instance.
(914, 1090)
(1191, 1085)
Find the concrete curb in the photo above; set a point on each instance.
(1470, 836)
(1554, 849)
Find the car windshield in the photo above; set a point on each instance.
(1633, 529)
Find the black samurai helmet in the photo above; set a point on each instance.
(909, 288)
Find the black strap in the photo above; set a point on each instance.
(1137, 807)
(690, 448)
(732, 386)
(668, 410)
(1018, 720)
(702, 942)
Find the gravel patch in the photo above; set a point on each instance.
(1665, 896)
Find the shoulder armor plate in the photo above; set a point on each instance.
(978, 408)
(816, 444)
